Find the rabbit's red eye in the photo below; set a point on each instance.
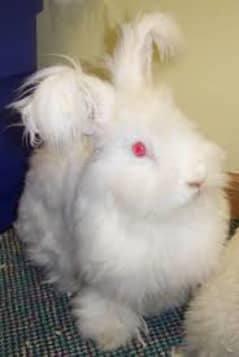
(139, 149)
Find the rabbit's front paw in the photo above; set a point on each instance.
(112, 338)
(108, 323)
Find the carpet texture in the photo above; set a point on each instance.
(35, 320)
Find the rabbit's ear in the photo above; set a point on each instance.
(64, 102)
(132, 59)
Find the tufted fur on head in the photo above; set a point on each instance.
(131, 64)
(66, 101)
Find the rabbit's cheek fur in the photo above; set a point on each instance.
(136, 190)
(142, 186)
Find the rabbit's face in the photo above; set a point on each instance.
(152, 160)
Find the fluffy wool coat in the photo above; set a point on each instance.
(123, 202)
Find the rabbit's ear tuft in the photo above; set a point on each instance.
(64, 102)
(132, 59)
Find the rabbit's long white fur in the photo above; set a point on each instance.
(212, 320)
(65, 103)
(130, 234)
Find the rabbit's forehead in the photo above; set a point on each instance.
(155, 125)
(151, 117)
(158, 136)
(149, 111)
(140, 102)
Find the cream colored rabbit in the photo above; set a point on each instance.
(212, 320)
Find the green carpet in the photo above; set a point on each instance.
(35, 320)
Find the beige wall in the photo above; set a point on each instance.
(205, 80)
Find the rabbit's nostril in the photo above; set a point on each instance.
(195, 184)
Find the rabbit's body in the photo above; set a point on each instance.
(83, 229)
(130, 211)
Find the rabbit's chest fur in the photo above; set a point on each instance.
(133, 258)
(139, 259)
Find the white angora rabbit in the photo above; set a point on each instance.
(123, 202)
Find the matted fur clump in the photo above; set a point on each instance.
(123, 202)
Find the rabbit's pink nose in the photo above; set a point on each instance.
(196, 184)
